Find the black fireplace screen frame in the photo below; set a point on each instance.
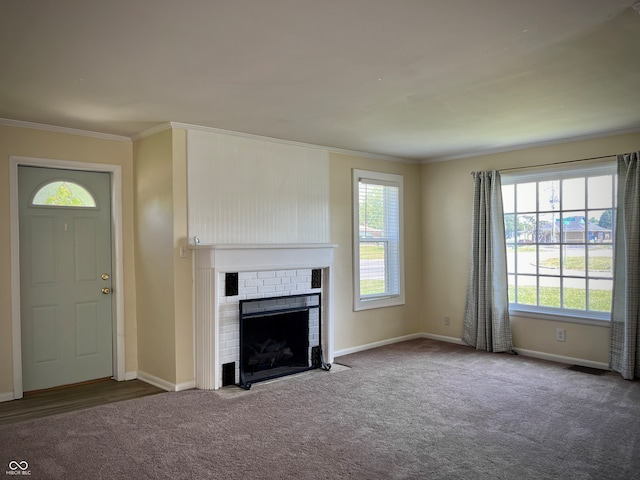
(262, 307)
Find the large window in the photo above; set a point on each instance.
(377, 240)
(559, 228)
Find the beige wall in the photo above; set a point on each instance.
(158, 286)
(164, 280)
(446, 229)
(183, 277)
(354, 329)
(26, 142)
(153, 167)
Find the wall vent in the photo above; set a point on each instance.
(230, 284)
(228, 374)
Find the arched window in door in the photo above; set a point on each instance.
(61, 193)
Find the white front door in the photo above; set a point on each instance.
(65, 276)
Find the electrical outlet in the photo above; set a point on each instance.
(447, 320)
(561, 334)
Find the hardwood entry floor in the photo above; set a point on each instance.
(74, 397)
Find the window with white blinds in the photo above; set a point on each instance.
(378, 279)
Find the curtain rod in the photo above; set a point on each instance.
(558, 163)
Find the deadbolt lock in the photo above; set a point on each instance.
(106, 290)
(105, 276)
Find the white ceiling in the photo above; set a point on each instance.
(422, 80)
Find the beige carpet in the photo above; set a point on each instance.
(420, 409)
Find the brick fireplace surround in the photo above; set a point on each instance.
(267, 270)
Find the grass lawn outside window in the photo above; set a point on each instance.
(559, 237)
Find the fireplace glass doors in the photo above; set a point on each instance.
(279, 336)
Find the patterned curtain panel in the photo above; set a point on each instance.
(625, 311)
(486, 318)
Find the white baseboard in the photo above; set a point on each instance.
(156, 381)
(531, 353)
(443, 338)
(458, 341)
(131, 375)
(561, 359)
(381, 343)
(164, 384)
(404, 338)
(5, 397)
(185, 386)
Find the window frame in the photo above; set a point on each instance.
(561, 173)
(63, 180)
(391, 268)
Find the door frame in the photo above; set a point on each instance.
(117, 262)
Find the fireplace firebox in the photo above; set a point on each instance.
(280, 336)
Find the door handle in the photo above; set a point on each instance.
(106, 290)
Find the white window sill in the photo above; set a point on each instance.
(559, 317)
(378, 302)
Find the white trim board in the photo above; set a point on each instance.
(117, 258)
(531, 353)
(520, 351)
(156, 381)
(6, 397)
(404, 338)
(185, 386)
(561, 359)
(164, 384)
(443, 338)
(70, 131)
(381, 343)
(525, 146)
(342, 151)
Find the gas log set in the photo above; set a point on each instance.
(279, 336)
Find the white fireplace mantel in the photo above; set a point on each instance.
(245, 257)
(212, 260)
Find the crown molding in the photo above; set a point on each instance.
(168, 125)
(152, 131)
(524, 146)
(252, 136)
(69, 131)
